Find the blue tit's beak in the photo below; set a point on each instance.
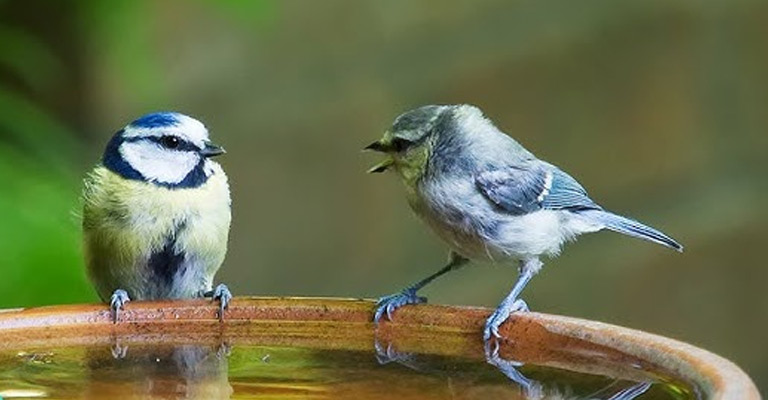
(211, 150)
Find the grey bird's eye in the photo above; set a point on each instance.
(400, 144)
(170, 141)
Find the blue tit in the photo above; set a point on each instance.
(489, 199)
(156, 214)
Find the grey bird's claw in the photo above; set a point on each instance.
(116, 303)
(390, 303)
(224, 296)
(389, 354)
(500, 315)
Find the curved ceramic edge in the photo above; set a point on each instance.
(718, 377)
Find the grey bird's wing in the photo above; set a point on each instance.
(533, 186)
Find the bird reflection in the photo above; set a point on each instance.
(533, 390)
(173, 371)
(530, 389)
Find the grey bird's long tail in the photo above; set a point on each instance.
(630, 227)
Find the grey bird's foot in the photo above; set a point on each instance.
(386, 355)
(221, 294)
(500, 315)
(116, 303)
(390, 303)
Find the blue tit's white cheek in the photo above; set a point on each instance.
(158, 164)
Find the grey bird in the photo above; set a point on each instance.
(489, 199)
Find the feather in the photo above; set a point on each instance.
(532, 187)
(630, 227)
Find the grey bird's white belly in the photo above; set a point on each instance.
(479, 230)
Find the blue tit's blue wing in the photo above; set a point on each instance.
(531, 187)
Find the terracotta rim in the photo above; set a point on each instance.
(345, 323)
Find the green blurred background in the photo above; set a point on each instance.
(659, 107)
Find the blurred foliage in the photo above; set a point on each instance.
(39, 239)
(657, 107)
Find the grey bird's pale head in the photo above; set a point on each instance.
(406, 144)
(166, 148)
(409, 143)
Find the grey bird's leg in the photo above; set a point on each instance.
(116, 303)
(390, 303)
(512, 303)
(223, 295)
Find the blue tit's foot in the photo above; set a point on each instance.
(390, 303)
(386, 355)
(223, 351)
(116, 303)
(531, 389)
(221, 294)
(500, 315)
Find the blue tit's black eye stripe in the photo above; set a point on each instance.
(114, 161)
(172, 142)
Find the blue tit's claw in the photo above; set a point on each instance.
(224, 297)
(224, 351)
(116, 303)
(387, 304)
(500, 315)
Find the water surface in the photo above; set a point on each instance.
(251, 371)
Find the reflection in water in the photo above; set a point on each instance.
(533, 390)
(530, 388)
(159, 370)
(142, 372)
(632, 391)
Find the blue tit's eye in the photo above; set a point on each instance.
(400, 144)
(170, 141)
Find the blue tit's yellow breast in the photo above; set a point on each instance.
(126, 221)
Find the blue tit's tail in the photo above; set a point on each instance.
(630, 227)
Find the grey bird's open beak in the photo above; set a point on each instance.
(376, 146)
(384, 165)
(211, 150)
(381, 167)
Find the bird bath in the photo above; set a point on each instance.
(306, 348)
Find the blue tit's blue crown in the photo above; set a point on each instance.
(161, 119)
